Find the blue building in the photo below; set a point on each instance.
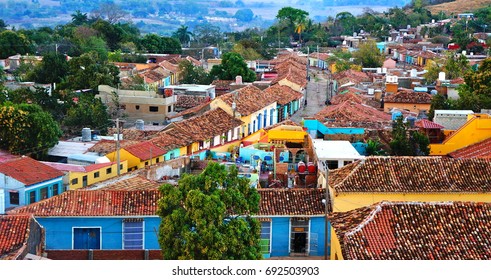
(293, 222)
(25, 181)
(99, 220)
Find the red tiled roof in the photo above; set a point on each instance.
(171, 138)
(415, 231)
(145, 150)
(189, 101)
(340, 98)
(108, 146)
(478, 150)
(95, 203)
(248, 99)
(133, 134)
(409, 96)
(14, 231)
(92, 167)
(414, 175)
(293, 75)
(222, 84)
(29, 171)
(212, 123)
(135, 183)
(282, 94)
(278, 202)
(351, 75)
(352, 114)
(192, 111)
(424, 123)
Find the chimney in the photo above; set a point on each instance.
(238, 80)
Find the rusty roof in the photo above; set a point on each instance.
(415, 231)
(414, 175)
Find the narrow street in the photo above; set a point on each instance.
(316, 95)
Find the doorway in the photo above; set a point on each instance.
(299, 239)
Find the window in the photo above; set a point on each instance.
(86, 238)
(169, 109)
(347, 162)
(265, 237)
(137, 107)
(332, 164)
(132, 235)
(146, 163)
(75, 181)
(109, 170)
(14, 198)
(157, 160)
(96, 174)
(120, 167)
(84, 181)
(55, 190)
(44, 193)
(32, 197)
(153, 109)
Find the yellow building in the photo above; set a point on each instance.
(139, 155)
(476, 129)
(254, 108)
(376, 179)
(80, 176)
(410, 100)
(83, 176)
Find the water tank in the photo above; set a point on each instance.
(86, 134)
(140, 124)
(384, 70)
(441, 76)
(379, 70)
(238, 80)
(395, 115)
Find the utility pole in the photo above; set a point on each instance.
(118, 138)
(326, 211)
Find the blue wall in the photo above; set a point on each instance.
(59, 231)
(281, 236)
(315, 125)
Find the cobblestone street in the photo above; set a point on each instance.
(316, 95)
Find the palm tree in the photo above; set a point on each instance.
(300, 26)
(183, 35)
(78, 18)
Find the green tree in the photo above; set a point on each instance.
(183, 35)
(52, 69)
(375, 148)
(291, 17)
(27, 130)
(368, 55)
(232, 65)
(191, 74)
(439, 102)
(208, 217)
(156, 44)
(87, 112)
(207, 34)
(244, 15)
(79, 18)
(407, 142)
(475, 93)
(12, 43)
(88, 72)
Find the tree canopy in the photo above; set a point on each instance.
(406, 142)
(232, 65)
(208, 217)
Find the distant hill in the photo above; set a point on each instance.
(459, 6)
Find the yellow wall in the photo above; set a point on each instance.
(336, 252)
(415, 108)
(102, 175)
(348, 201)
(477, 129)
(132, 160)
(289, 135)
(218, 103)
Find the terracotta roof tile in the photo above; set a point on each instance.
(415, 231)
(145, 150)
(134, 183)
(409, 96)
(351, 75)
(14, 231)
(424, 123)
(282, 94)
(95, 203)
(293, 75)
(248, 99)
(189, 101)
(222, 84)
(171, 138)
(192, 111)
(353, 114)
(340, 98)
(210, 124)
(278, 202)
(104, 147)
(133, 134)
(415, 174)
(29, 171)
(478, 150)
